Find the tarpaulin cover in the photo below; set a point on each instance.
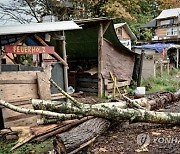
(157, 46)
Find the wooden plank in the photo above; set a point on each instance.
(22, 122)
(43, 86)
(20, 102)
(21, 75)
(10, 92)
(18, 81)
(7, 113)
(17, 117)
(119, 84)
(86, 80)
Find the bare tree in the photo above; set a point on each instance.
(27, 11)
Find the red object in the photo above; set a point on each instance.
(19, 50)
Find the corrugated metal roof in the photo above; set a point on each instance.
(128, 30)
(169, 13)
(38, 27)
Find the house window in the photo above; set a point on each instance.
(166, 22)
(171, 31)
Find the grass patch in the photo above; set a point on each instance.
(43, 147)
(164, 83)
(167, 82)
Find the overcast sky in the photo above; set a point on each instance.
(5, 1)
(6, 20)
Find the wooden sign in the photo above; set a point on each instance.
(29, 49)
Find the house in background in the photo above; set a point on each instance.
(125, 34)
(166, 26)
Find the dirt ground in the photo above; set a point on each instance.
(133, 138)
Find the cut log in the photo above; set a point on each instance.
(74, 139)
(112, 113)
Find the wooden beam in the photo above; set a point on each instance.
(155, 62)
(18, 81)
(65, 67)
(109, 86)
(161, 66)
(140, 69)
(106, 27)
(11, 59)
(21, 39)
(100, 44)
(57, 96)
(55, 54)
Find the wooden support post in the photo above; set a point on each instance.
(154, 68)
(100, 79)
(140, 69)
(161, 67)
(105, 89)
(177, 58)
(65, 59)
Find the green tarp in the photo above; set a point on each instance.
(84, 43)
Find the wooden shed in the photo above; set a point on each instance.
(93, 53)
(19, 83)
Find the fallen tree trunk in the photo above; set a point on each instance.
(77, 138)
(60, 116)
(112, 113)
(160, 99)
(56, 106)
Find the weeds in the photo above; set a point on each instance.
(42, 147)
(164, 83)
